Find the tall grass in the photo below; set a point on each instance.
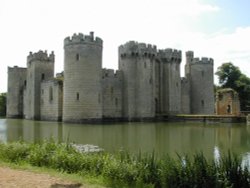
(125, 170)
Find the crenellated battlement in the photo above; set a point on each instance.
(111, 73)
(170, 54)
(190, 54)
(203, 60)
(41, 56)
(82, 39)
(16, 69)
(136, 49)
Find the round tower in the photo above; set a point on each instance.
(136, 60)
(82, 100)
(171, 80)
(15, 94)
(202, 86)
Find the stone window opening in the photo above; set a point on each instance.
(145, 65)
(112, 90)
(77, 96)
(229, 109)
(150, 81)
(202, 73)
(116, 102)
(50, 94)
(25, 83)
(202, 103)
(42, 76)
(99, 98)
(77, 57)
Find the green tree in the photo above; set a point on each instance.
(3, 104)
(230, 76)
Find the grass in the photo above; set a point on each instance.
(126, 170)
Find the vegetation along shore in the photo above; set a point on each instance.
(123, 169)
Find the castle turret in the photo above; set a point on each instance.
(202, 83)
(15, 94)
(40, 67)
(136, 60)
(189, 59)
(82, 100)
(170, 86)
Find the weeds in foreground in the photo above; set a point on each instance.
(125, 170)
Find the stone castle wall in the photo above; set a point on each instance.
(51, 100)
(170, 82)
(202, 86)
(147, 84)
(227, 102)
(185, 96)
(40, 67)
(136, 61)
(15, 95)
(82, 78)
(112, 93)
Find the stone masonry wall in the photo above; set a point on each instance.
(82, 99)
(202, 86)
(16, 85)
(185, 96)
(51, 100)
(136, 62)
(112, 93)
(40, 67)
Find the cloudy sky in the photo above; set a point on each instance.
(213, 28)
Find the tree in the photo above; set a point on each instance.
(3, 104)
(230, 76)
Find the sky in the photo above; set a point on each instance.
(219, 29)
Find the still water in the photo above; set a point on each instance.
(162, 138)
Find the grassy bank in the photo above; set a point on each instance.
(123, 169)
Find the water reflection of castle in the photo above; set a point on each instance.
(146, 137)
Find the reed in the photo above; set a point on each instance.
(123, 169)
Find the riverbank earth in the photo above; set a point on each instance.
(29, 179)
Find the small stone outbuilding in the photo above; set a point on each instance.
(227, 102)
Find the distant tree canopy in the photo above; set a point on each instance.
(230, 76)
(2, 104)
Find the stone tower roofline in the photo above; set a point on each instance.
(111, 73)
(16, 68)
(41, 56)
(170, 54)
(133, 48)
(82, 39)
(203, 60)
(190, 54)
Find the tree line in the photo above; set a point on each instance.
(2, 104)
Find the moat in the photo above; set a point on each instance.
(162, 138)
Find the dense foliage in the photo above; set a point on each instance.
(3, 104)
(230, 76)
(126, 170)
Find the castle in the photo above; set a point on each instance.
(146, 85)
